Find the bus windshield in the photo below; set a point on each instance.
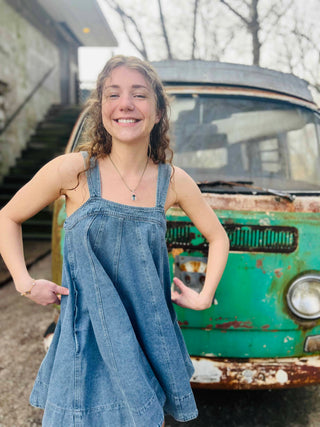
(264, 142)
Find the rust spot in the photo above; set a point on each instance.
(278, 272)
(176, 251)
(208, 327)
(185, 323)
(265, 326)
(259, 265)
(235, 324)
(193, 266)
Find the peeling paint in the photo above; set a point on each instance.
(262, 203)
(244, 374)
(181, 324)
(248, 375)
(206, 372)
(278, 272)
(234, 324)
(281, 376)
(259, 264)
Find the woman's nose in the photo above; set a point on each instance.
(126, 102)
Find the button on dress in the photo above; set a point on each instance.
(118, 358)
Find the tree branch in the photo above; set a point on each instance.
(245, 20)
(164, 31)
(195, 13)
(125, 18)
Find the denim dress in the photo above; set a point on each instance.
(118, 358)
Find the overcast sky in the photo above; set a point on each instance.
(91, 60)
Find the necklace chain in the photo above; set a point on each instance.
(132, 190)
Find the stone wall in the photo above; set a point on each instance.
(26, 57)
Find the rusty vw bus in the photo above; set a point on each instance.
(250, 139)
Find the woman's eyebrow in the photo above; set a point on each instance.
(137, 86)
(111, 87)
(140, 87)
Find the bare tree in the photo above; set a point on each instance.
(302, 50)
(127, 21)
(194, 28)
(164, 30)
(250, 19)
(140, 36)
(268, 33)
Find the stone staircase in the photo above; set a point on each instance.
(48, 141)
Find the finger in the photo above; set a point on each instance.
(175, 295)
(179, 283)
(61, 290)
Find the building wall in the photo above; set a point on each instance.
(26, 56)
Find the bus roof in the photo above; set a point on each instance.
(227, 74)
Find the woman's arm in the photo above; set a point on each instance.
(190, 199)
(38, 193)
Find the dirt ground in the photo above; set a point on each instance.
(21, 351)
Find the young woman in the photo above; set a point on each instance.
(117, 357)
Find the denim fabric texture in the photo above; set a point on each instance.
(118, 358)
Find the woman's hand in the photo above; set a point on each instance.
(188, 298)
(45, 292)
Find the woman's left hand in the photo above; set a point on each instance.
(188, 298)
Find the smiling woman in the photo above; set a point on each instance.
(118, 355)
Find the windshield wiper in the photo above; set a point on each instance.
(249, 185)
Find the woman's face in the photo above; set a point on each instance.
(128, 106)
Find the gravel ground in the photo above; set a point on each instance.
(21, 351)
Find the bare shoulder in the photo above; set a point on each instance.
(182, 181)
(182, 189)
(70, 162)
(69, 166)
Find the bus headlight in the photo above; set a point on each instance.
(303, 297)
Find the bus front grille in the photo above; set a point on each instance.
(243, 238)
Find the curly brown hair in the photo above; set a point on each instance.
(98, 141)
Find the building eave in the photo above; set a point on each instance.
(83, 18)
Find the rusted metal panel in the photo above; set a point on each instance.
(259, 203)
(218, 373)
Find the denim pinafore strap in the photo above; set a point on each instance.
(118, 358)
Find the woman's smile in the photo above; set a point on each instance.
(127, 121)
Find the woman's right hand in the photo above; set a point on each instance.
(45, 292)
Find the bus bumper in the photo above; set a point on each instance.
(246, 374)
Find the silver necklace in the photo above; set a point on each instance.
(132, 190)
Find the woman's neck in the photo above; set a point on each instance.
(129, 157)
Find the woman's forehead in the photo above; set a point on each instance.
(124, 76)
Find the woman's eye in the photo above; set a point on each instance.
(139, 95)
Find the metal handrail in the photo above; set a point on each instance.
(27, 99)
